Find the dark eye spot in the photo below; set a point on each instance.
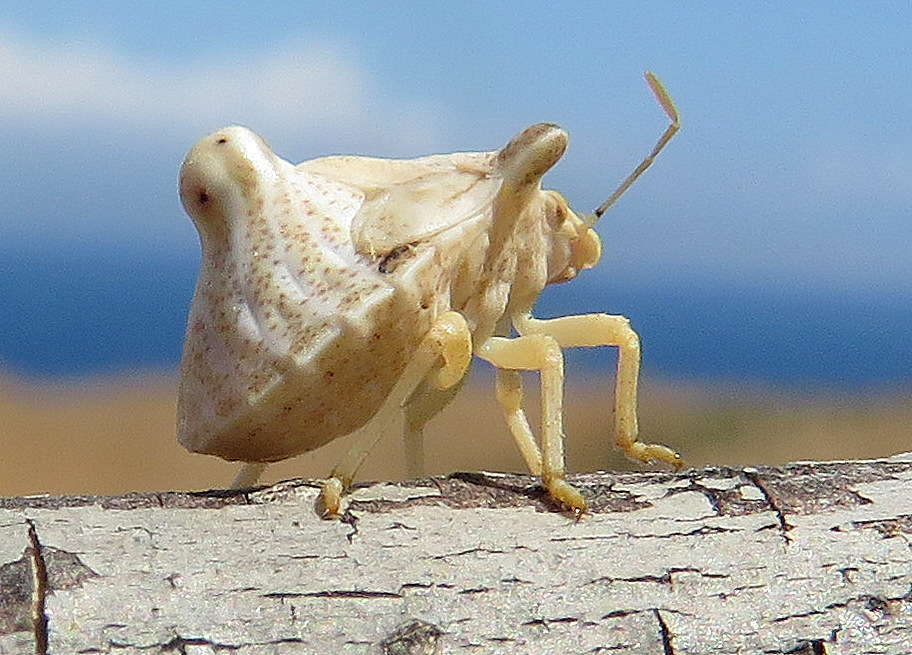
(203, 197)
(222, 140)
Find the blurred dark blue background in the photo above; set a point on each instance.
(67, 316)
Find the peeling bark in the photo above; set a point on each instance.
(811, 558)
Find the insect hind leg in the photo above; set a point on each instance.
(442, 359)
(249, 474)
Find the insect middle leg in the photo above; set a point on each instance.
(442, 359)
(424, 404)
(535, 352)
(593, 330)
(509, 391)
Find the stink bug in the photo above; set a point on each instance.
(346, 293)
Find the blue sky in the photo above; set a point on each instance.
(794, 162)
(793, 168)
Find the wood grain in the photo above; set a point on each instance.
(807, 558)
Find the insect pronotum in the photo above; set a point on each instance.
(347, 293)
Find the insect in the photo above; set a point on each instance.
(346, 294)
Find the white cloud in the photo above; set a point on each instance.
(80, 123)
(296, 92)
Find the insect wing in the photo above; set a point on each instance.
(409, 201)
(413, 211)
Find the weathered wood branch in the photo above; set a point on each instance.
(809, 558)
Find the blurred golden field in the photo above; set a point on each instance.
(113, 436)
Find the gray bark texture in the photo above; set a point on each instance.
(809, 558)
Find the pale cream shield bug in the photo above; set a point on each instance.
(348, 294)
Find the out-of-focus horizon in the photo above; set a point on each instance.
(768, 247)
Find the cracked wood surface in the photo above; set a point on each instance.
(808, 558)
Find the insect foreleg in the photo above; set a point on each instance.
(593, 330)
(442, 358)
(540, 352)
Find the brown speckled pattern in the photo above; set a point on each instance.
(286, 314)
(297, 334)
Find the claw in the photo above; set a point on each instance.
(563, 493)
(331, 499)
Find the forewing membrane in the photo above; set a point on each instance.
(409, 201)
